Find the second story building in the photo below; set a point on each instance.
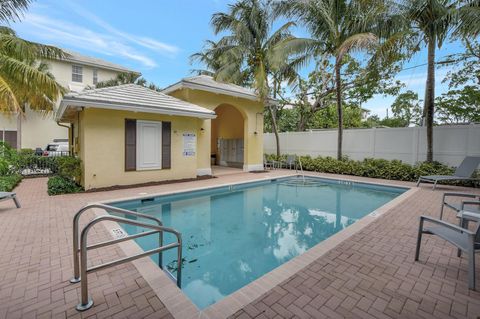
(75, 73)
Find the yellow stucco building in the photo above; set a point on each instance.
(130, 134)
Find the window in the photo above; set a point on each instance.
(147, 145)
(77, 73)
(95, 76)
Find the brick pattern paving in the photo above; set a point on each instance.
(36, 262)
(371, 275)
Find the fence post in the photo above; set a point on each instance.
(415, 142)
(373, 140)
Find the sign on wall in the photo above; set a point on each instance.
(189, 144)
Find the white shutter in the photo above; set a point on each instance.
(149, 145)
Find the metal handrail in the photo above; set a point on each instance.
(301, 169)
(86, 302)
(76, 219)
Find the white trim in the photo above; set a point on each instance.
(204, 171)
(203, 87)
(253, 167)
(110, 106)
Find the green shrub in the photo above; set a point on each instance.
(26, 151)
(61, 185)
(8, 182)
(372, 167)
(8, 156)
(69, 167)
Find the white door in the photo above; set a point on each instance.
(149, 145)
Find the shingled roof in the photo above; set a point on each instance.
(207, 83)
(131, 97)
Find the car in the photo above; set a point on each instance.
(56, 149)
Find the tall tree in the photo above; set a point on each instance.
(252, 53)
(433, 22)
(22, 80)
(338, 28)
(127, 78)
(407, 108)
(461, 103)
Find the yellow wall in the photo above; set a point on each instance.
(252, 112)
(229, 124)
(102, 149)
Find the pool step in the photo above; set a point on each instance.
(303, 183)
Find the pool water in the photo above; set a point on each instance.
(233, 235)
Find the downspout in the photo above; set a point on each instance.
(68, 128)
(62, 125)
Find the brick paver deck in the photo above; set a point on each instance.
(371, 275)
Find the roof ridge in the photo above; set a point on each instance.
(106, 88)
(217, 81)
(75, 56)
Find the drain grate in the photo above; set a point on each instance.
(118, 233)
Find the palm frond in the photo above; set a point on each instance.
(22, 74)
(8, 101)
(11, 10)
(469, 17)
(24, 50)
(357, 42)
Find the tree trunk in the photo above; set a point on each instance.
(274, 128)
(274, 117)
(338, 84)
(429, 106)
(301, 122)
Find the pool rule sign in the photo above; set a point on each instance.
(189, 143)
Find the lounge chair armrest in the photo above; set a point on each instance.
(470, 215)
(445, 224)
(469, 202)
(459, 195)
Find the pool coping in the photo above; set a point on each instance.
(180, 306)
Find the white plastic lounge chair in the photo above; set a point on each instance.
(462, 173)
(471, 205)
(268, 164)
(7, 196)
(290, 162)
(464, 239)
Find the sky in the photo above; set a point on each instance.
(157, 37)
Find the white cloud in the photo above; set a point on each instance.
(145, 42)
(95, 35)
(66, 33)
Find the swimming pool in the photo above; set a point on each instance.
(234, 234)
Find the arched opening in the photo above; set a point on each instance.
(228, 146)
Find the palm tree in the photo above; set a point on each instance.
(10, 10)
(208, 57)
(339, 28)
(251, 53)
(22, 76)
(433, 21)
(127, 78)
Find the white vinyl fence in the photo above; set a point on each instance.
(451, 143)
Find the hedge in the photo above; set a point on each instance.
(67, 178)
(62, 185)
(8, 182)
(375, 168)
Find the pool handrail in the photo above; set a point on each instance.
(86, 302)
(76, 268)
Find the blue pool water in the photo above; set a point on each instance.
(234, 235)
